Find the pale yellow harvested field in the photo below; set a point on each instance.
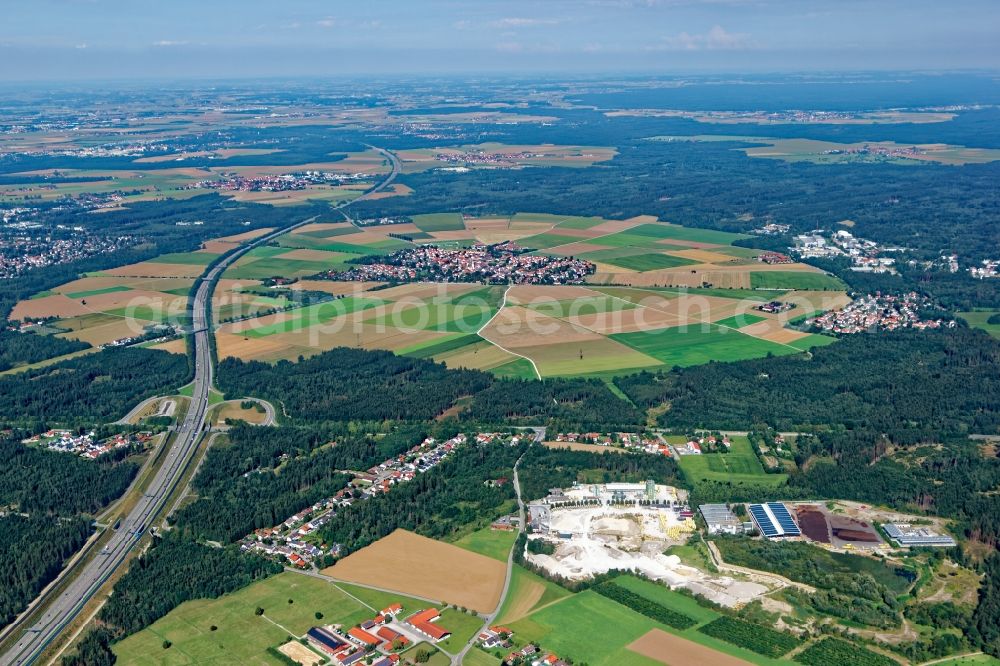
(312, 255)
(300, 654)
(805, 301)
(218, 246)
(575, 249)
(531, 293)
(614, 226)
(233, 410)
(367, 336)
(263, 349)
(487, 223)
(703, 256)
(394, 190)
(626, 321)
(580, 446)
(154, 269)
(480, 356)
(412, 564)
(517, 327)
(321, 226)
(55, 305)
(676, 651)
(105, 333)
(690, 277)
(178, 346)
(458, 234)
(425, 290)
(558, 356)
(336, 288)
(491, 237)
(135, 298)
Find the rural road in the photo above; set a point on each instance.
(91, 574)
(503, 304)
(457, 659)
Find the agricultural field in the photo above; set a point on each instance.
(576, 627)
(150, 182)
(829, 152)
(489, 542)
(740, 465)
(502, 156)
(980, 319)
(528, 593)
(241, 636)
(416, 565)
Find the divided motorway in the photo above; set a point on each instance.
(96, 571)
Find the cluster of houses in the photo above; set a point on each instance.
(631, 441)
(487, 159)
(295, 540)
(989, 269)
(285, 182)
(86, 445)
(22, 252)
(153, 333)
(772, 229)
(503, 263)
(883, 312)
(876, 150)
(774, 258)
(865, 255)
(379, 221)
(532, 655)
(774, 307)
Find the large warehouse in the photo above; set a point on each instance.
(774, 520)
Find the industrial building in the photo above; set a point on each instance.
(774, 520)
(916, 536)
(720, 520)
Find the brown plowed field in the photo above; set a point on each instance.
(676, 651)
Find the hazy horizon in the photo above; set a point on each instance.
(65, 40)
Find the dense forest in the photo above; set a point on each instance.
(33, 550)
(355, 384)
(22, 348)
(36, 481)
(352, 384)
(911, 385)
(96, 387)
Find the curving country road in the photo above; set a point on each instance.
(93, 573)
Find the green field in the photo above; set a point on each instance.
(272, 266)
(477, 657)
(800, 280)
(462, 626)
(739, 321)
(313, 315)
(187, 258)
(439, 222)
(664, 596)
(740, 465)
(582, 306)
(95, 292)
(489, 542)
(697, 344)
(517, 369)
(440, 345)
(241, 637)
(980, 320)
(692, 234)
(547, 240)
(528, 592)
(650, 262)
(451, 318)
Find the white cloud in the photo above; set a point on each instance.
(80, 46)
(327, 22)
(169, 42)
(510, 47)
(522, 22)
(716, 39)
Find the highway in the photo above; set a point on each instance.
(94, 572)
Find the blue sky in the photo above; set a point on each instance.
(73, 39)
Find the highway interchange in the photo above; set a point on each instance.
(92, 573)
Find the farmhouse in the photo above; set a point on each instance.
(423, 621)
(326, 640)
